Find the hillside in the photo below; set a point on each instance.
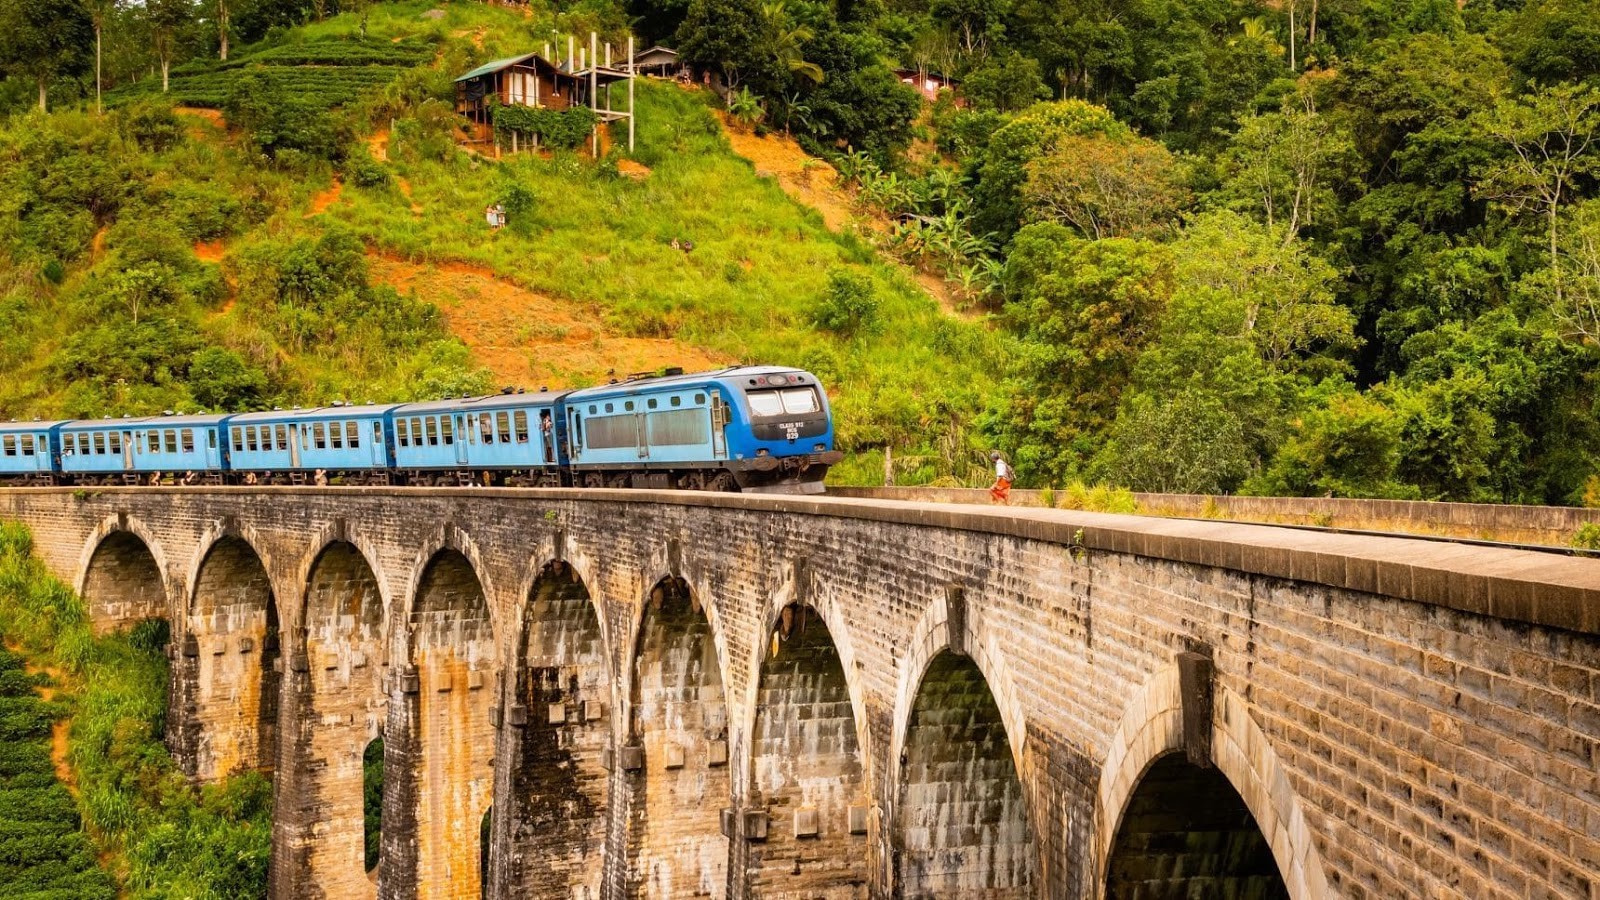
(190, 265)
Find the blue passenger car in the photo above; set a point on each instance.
(130, 451)
(757, 428)
(29, 452)
(515, 439)
(350, 444)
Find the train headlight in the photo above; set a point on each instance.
(761, 451)
(820, 447)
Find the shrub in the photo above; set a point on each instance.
(849, 306)
(558, 129)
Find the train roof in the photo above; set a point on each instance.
(367, 410)
(32, 426)
(635, 385)
(145, 422)
(487, 401)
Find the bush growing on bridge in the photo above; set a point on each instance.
(169, 839)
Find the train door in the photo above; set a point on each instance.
(640, 437)
(378, 457)
(461, 440)
(127, 451)
(294, 445)
(719, 424)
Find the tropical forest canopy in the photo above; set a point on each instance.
(1310, 247)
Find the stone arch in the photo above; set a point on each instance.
(932, 636)
(439, 740)
(807, 770)
(1151, 728)
(333, 704)
(677, 748)
(449, 537)
(961, 818)
(122, 576)
(229, 663)
(550, 822)
(823, 602)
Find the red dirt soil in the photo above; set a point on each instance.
(530, 339)
(803, 177)
(326, 198)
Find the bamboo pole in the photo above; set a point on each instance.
(594, 88)
(632, 74)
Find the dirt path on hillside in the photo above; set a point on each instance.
(59, 748)
(378, 145)
(526, 338)
(803, 177)
(326, 198)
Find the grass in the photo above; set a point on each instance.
(163, 838)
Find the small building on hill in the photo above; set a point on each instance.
(534, 82)
(929, 83)
(658, 62)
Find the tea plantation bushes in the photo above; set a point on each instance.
(44, 854)
(320, 74)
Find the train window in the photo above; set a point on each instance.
(416, 432)
(100, 441)
(250, 439)
(211, 438)
(765, 403)
(377, 434)
(677, 401)
(609, 408)
(69, 446)
(577, 430)
(486, 427)
(238, 438)
(153, 442)
(336, 435)
(432, 424)
(652, 403)
(503, 423)
(172, 440)
(592, 409)
(447, 432)
(800, 400)
(27, 444)
(402, 433)
(116, 442)
(280, 437)
(352, 435)
(699, 399)
(520, 420)
(9, 445)
(187, 437)
(319, 435)
(628, 406)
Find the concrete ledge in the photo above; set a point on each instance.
(1549, 525)
(1528, 586)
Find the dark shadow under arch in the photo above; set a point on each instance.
(551, 819)
(1187, 833)
(122, 584)
(806, 768)
(962, 820)
(680, 723)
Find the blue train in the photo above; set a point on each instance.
(752, 428)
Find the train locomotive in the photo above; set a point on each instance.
(743, 428)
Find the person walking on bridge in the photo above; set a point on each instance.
(1000, 491)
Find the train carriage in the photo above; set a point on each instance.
(351, 444)
(756, 428)
(515, 439)
(29, 452)
(128, 451)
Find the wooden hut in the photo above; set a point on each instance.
(929, 84)
(658, 62)
(534, 81)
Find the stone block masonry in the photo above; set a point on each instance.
(675, 695)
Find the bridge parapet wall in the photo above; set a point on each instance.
(1400, 718)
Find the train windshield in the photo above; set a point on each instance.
(791, 401)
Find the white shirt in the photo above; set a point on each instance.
(1001, 470)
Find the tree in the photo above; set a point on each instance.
(1577, 308)
(43, 40)
(99, 11)
(730, 37)
(1187, 444)
(1287, 166)
(1550, 137)
(166, 19)
(1000, 170)
(1104, 187)
(787, 38)
(849, 306)
(222, 29)
(1008, 82)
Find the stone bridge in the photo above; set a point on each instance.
(617, 694)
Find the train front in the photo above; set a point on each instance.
(786, 445)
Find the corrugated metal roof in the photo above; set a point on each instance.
(496, 66)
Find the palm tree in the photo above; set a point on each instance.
(788, 38)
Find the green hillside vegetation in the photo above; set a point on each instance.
(165, 838)
(132, 322)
